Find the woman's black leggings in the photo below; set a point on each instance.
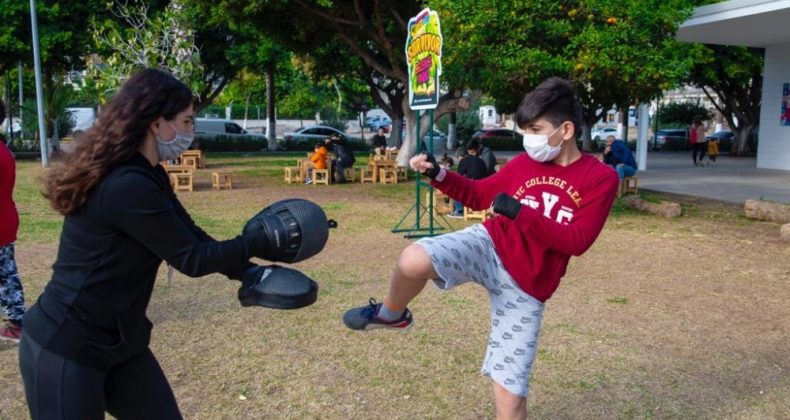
(59, 388)
(700, 147)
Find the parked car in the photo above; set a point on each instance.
(485, 133)
(439, 141)
(600, 135)
(313, 133)
(207, 127)
(374, 123)
(726, 139)
(671, 139)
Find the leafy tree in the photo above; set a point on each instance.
(375, 32)
(734, 76)
(615, 53)
(680, 114)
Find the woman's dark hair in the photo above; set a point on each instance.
(552, 100)
(116, 136)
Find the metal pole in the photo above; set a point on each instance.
(641, 143)
(21, 97)
(430, 194)
(39, 90)
(419, 148)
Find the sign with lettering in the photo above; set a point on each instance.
(424, 58)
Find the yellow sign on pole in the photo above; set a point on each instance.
(424, 57)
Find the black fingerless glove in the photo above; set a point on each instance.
(432, 172)
(507, 206)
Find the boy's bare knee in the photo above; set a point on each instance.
(414, 262)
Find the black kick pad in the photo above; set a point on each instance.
(277, 287)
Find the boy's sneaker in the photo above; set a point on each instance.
(364, 318)
(309, 181)
(454, 215)
(11, 332)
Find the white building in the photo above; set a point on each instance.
(755, 23)
(488, 116)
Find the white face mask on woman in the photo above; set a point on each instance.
(170, 150)
(538, 147)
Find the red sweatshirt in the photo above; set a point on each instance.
(9, 218)
(564, 211)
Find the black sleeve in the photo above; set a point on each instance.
(233, 272)
(137, 205)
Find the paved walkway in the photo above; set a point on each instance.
(733, 179)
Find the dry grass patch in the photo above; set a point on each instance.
(680, 318)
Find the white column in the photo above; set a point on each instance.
(641, 139)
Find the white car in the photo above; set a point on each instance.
(601, 134)
(211, 127)
(314, 133)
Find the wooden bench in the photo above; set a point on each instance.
(350, 173)
(470, 214)
(440, 206)
(323, 176)
(629, 184)
(193, 158)
(221, 180)
(366, 174)
(293, 174)
(181, 181)
(388, 175)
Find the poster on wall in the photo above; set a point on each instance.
(784, 119)
(424, 58)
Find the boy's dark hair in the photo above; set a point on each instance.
(552, 100)
(473, 145)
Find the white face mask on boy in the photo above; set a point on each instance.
(538, 147)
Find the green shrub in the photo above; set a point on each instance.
(225, 143)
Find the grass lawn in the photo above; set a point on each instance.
(681, 318)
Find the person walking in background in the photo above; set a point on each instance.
(713, 150)
(617, 155)
(12, 296)
(697, 140)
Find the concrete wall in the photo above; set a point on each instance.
(773, 150)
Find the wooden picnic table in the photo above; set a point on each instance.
(377, 164)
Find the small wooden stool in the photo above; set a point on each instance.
(403, 174)
(629, 184)
(181, 181)
(321, 176)
(388, 176)
(470, 214)
(190, 161)
(293, 174)
(366, 175)
(221, 180)
(439, 205)
(351, 174)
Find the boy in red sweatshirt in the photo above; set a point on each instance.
(551, 203)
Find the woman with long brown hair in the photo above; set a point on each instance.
(84, 347)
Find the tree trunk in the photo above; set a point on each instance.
(271, 129)
(766, 210)
(624, 121)
(741, 146)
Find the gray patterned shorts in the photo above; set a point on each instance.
(469, 256)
